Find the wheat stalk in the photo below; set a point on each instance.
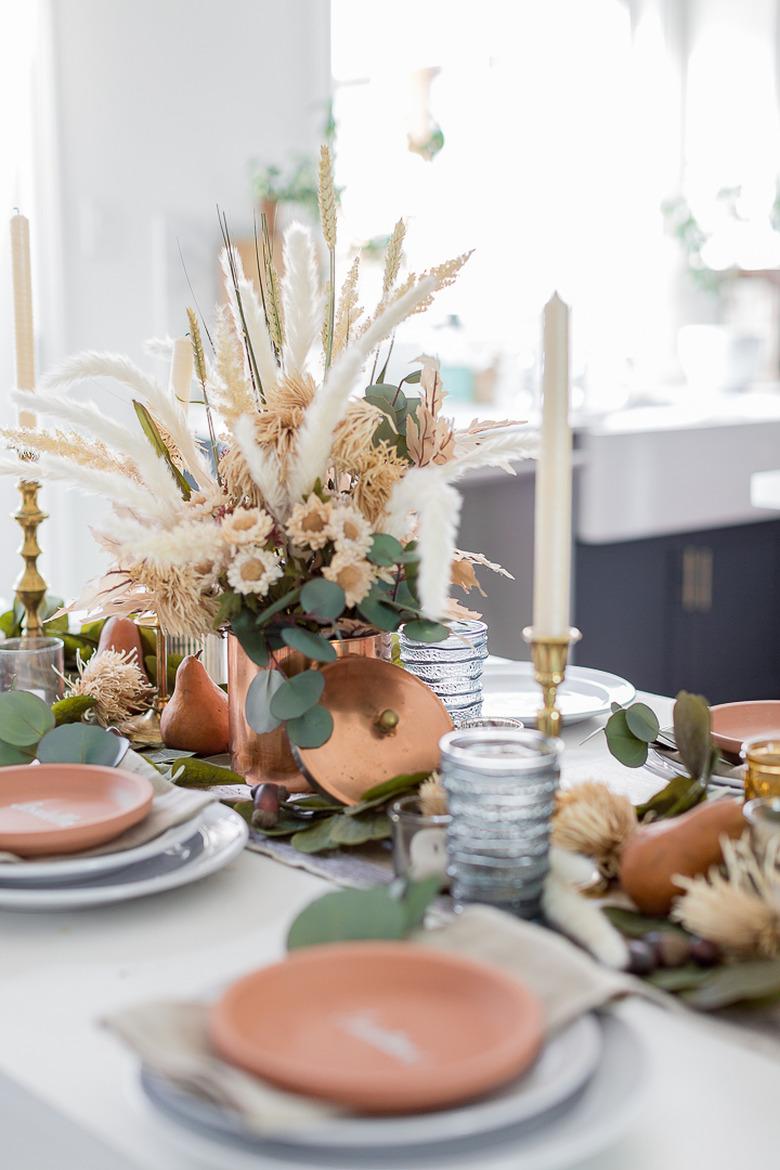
(327, 198)
(393, 258)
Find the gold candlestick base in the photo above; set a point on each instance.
(30, 586)
(549, 656)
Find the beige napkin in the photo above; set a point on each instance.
(171, 806)
(171, 1037)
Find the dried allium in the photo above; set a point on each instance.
(590, 818)
(116, 682)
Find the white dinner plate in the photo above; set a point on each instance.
(79, 869)
(577, 1128)
(219, 837)
(565, 1065)
(511, 691)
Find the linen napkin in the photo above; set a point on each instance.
(171, 806)
(172, 1037)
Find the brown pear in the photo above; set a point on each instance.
(196, 716)
(121, 634)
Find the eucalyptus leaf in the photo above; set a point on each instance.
(379, 614)
(311, 645)
(81, 743)
(312, 729)
(24, 718)
(357, 830)
(317, 838)
(642, 722)
(323, 599)
(416, 899)
(425, 630)
(257, 705)
(385, 549)
(349, 914)
(11, 755)
(252, 639)
(297, 694)
(692, 733)
(277, 606)
(622, 743)
(736, 983)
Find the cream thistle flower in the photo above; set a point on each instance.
(116, 682)
(350, 531)
(254, 570)
(353, 574)
(247, 526)
(309, 523)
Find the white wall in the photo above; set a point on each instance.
(159, 105)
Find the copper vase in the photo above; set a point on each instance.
(268, 757)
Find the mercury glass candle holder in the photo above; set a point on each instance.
(451, 668)
(501, 787)
(33, 664)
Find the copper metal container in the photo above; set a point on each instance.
(268, 757)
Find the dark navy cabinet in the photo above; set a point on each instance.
(698, 611)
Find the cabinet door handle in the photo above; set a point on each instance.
(689, 560)
(704, 580)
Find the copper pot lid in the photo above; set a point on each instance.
(386, 723)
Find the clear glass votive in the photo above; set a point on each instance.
(419, 841)
(452, 668)
(501, 787)
(762, 766)
(33, 664)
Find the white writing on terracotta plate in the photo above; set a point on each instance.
(364, 1026)
(52, 816)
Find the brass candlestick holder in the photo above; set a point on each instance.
(549, 656)
(30, 586)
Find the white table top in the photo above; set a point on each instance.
(711, 1102)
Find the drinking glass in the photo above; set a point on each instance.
(33, 664)
(501, 787)
(451, 668)
(762, 766)
(419, 841)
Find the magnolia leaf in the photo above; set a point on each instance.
(10, 754)
(252, 639)
(692, 725)
(635, 925)
(642, 722)
(385, 549)
(675, 798)
(622, 743)
(317, 838)
(314, 802)
(385, 791)
(311, 645)
(349, 914)
(71, 708)
(24, 718)
(82, 743)
(676, 979)
(312, 729)
(257, 705)
(358, 830)
(736, 982)
(149, 428)
(296, 695)
(187, 772)
(424, 630)
(323, 599)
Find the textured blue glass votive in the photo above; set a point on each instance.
(501, 789)
(452, 668)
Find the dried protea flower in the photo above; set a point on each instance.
(433, 798)
(117, 683)
(590, 818)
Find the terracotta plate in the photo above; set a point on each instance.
(379, 1027)
(733, 723)
(62, 808)
(360, 753)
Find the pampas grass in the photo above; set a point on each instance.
(301, 299)
(315, 437)
(437, 504)
(348, 311)
(393, 258)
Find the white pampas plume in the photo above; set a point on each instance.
(425, 491)
(259, 337)
(159, 347)
(168, 413)
(583, 921)
(107, 485)
(496, 449)
(263, 466)
(315, 434)
(301, 299)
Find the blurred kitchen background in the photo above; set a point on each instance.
(624, 151)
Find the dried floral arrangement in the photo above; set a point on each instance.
(309, 514)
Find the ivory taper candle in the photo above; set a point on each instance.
(552, 542)
(23, 314)
(180, 380)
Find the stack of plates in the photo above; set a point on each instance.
(510, 691)
(61, 809)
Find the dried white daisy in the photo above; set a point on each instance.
(736, 906)
(350, 531)
(590, 818)
(254, 570)
(309, 523)
(116, 682)
(246, 526)
(353, 574)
